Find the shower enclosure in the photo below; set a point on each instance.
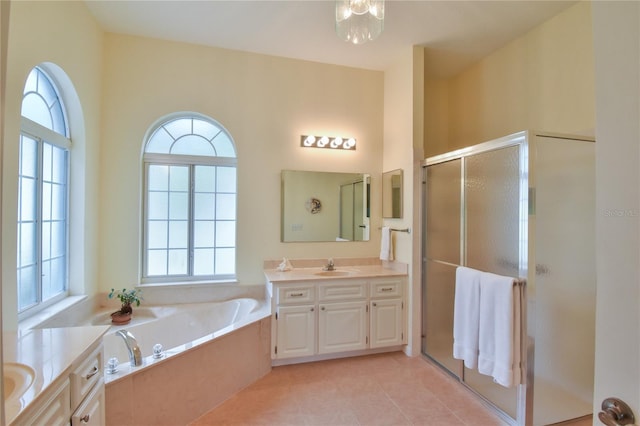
(521, 206)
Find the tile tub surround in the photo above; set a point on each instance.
(183, 327)
(191, 383)
(51, 353)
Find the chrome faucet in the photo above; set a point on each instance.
(135, 354)
(329, 266)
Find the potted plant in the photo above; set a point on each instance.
(127, 298)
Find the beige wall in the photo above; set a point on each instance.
(266, 103)
(542, 80)
(62, 33)
(403, 136)
(616, 33)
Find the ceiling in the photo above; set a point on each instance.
(456, 33)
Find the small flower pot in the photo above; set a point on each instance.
(120, 318)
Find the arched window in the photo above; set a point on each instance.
(189, 201)
(42, 274)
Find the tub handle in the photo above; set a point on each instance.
(93, 372)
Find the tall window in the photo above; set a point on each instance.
(190, 201)
(42, 194)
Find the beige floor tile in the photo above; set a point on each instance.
(388, 389)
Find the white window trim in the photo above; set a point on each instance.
(180, 159)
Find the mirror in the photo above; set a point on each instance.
(325, 206)
(392, 194)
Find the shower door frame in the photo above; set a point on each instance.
(524, 396)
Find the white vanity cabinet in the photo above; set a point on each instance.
(75, 398)
(342, 316)
(295, 316)
(387, 313)
(87, 390)
(328, 318)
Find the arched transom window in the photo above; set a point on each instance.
(190, 201)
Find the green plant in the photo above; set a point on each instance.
(127, 298)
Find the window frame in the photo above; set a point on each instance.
(43, 135)
(167, 159)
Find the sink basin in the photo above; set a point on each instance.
(17, 378)
(337, 273)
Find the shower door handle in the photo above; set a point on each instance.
(616, 412)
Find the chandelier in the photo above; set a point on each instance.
(359, 21)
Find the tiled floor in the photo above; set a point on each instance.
(387, 389)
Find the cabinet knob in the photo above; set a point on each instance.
(85, 418)
(374, 304)
(312, 309)
(322, 308)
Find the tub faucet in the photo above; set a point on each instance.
(329, 266)
(135, 354)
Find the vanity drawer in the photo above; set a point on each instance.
(299, 294)
(85, 376)
(345, 290)
(386, 288)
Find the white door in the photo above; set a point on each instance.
(295, 331)
(386, 323)
(342, 327)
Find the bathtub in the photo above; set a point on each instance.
(177, 328)
(210, 351)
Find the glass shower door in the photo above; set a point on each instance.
(494, 239)
(442, 249)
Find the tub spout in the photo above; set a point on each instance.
(135, 354)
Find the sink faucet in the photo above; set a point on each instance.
(135, 354)
(329, 266)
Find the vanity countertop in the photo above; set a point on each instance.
(341, 272)
(50, 352)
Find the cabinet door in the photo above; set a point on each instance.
(386, 323)
(92, 410)
(295, 331)
(54, 409)
(342, 327)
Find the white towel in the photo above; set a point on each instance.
(466, 316)
(500, 329)
(386, 245)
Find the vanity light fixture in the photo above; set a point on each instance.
(359, 21)
(308, 141)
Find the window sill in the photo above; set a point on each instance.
(231, 281)
(35, 320)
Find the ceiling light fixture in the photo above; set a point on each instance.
(327, 142)
(359, 21)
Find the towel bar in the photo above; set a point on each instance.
(407, 230)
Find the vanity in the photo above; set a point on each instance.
(355, 309)
(54, 376)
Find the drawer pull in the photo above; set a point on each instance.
(95, 371)
(387, 289)
(297, 294)
(85, 418)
